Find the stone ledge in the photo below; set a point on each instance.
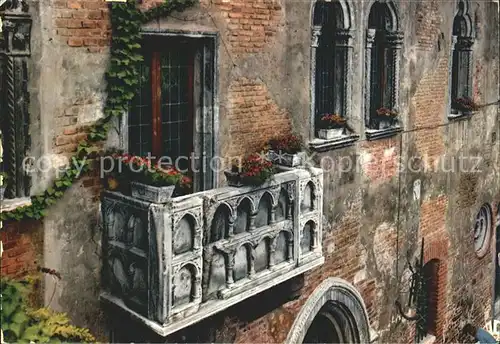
(206, 309)
(12, 204)
(429, 339)
(321, 145)
(377, 134)
(460, 116)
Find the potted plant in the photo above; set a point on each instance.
(184, 186)
(155, 184)
(331, 126)
(3, 184)
(466, 105)
(118, 172)
(386, 117)
(286, 150)
(254, 170)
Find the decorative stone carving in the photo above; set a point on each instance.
(16, 29)
(173, 282)
(15, 48)
(316, 33)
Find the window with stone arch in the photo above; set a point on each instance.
(461, 61)
(331, 61)
(383, 46)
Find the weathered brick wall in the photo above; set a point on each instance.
(251, 24)
(380, 159)
(82, 23)
(23, 246)
(253, 117)
(428, 20)
(430, 103)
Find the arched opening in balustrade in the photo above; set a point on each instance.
(261, 254)
(242, 223)
(281, 251)
(283, 204)
(307, 203)
(220, 223)
(184, 235)
(242, 259)
(263, 217)
(307, 237)
(183, 285)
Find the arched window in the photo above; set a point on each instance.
(461, 67)
(331, 56)
(383, 44)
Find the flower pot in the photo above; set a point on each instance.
(112, 183)
(233, 178)
(154, 194)
(285, 159)
(385, 123)
(330, 134)
(2, 192)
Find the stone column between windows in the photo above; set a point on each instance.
(345, 37)
(316, 33)
(450, 74)
(465, 44)
(370, 38)
(395, 40)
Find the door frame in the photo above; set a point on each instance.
(206, 114)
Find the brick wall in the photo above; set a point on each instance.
(253, 117)
(430, 102)
(436, 252)
(433, 218)
(23, 247)
(428, 19)
(251, 24)
(82, 23)
(380, 159)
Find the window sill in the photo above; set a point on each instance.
(377, 134)
(12, 204)
(429, 339)
(321, 145)
(460, 116)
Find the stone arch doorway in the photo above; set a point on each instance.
(334, 313)
(496, 296)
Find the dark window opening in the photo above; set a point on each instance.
(461, 57)
(331, 59)
(161, 115)
(171, 115)
(382, 63)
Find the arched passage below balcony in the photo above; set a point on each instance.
(334, 313)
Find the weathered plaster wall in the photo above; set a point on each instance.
(362, 240)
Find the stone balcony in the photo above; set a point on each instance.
(171, 265)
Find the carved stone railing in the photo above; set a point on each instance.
(171, 265)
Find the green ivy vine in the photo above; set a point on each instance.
(122, 79)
